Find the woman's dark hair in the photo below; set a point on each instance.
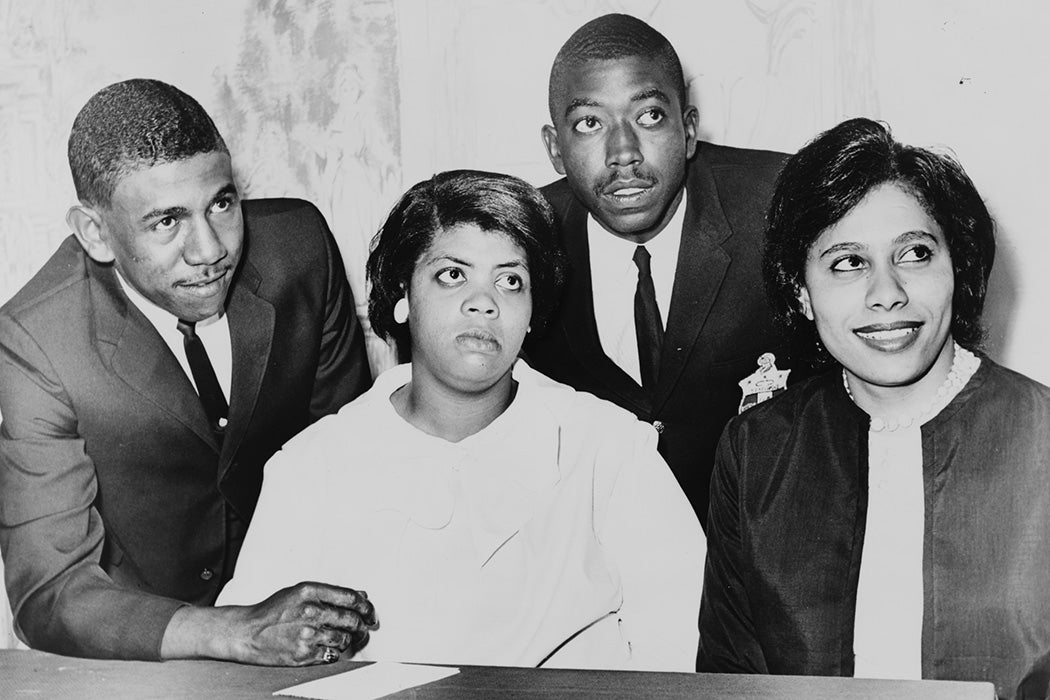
(490, 201)
(822, 183)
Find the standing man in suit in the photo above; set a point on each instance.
(167, 349)
(664, 311)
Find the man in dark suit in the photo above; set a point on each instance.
(147, 372)
(664, 311)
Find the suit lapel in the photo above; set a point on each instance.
(702, 265)
(579, 327)
(140, 358)
(251, 320)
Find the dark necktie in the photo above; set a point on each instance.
(208, 388)
(647, 325)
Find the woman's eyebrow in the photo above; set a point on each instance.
(519, 262)
(850, 246)
(440, 257)
(917, 234)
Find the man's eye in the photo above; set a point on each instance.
(166, 224)
(510, 282)
(919, 253)
(651, 117)
(848, 264)
(221, 205)
(450, 276)
(587, 125)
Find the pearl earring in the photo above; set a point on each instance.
(401, 310)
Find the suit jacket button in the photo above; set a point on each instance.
(207, 574)
(659, 425)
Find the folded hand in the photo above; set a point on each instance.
(296, 626)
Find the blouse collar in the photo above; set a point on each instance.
(496, 478)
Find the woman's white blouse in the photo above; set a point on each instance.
(555, 536)
(887, 637)
(887, 628)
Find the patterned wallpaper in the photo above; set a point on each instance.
(311, 109)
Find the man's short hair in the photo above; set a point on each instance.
(491, 201)
(611, 37)
(831, 175)
(135, 124)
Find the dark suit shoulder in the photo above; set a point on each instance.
(559, 194)
(717, 156)
(556, 188)
(286, 235)
(291, 220)
(62, 275)
(278, 206)
(743, 181)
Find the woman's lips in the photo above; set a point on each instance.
(889, 337)
(478, 340)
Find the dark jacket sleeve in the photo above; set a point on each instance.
(51, 534)
(728, 643)
(342, 368)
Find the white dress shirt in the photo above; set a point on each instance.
(213, 331)
(614, 279)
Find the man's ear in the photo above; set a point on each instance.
(804, 304)
(691, 121)
(86, 224)
(550, 140)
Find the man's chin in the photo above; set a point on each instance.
(630, 224)
(198, 312)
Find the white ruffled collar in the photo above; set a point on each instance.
(496, 478)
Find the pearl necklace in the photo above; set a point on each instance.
(964, 364)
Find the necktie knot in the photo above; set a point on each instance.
(641, 261)
(187, 328)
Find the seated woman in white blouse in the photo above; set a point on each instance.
(891, 517)
(492, 515)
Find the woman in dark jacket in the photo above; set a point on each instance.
(891, 516)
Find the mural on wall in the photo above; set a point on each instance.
(311, 110)
(35, 187)
(769, 73)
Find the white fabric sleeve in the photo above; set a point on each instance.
(650, 530)
(286, 537)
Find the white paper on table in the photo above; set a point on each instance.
(369, 682)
